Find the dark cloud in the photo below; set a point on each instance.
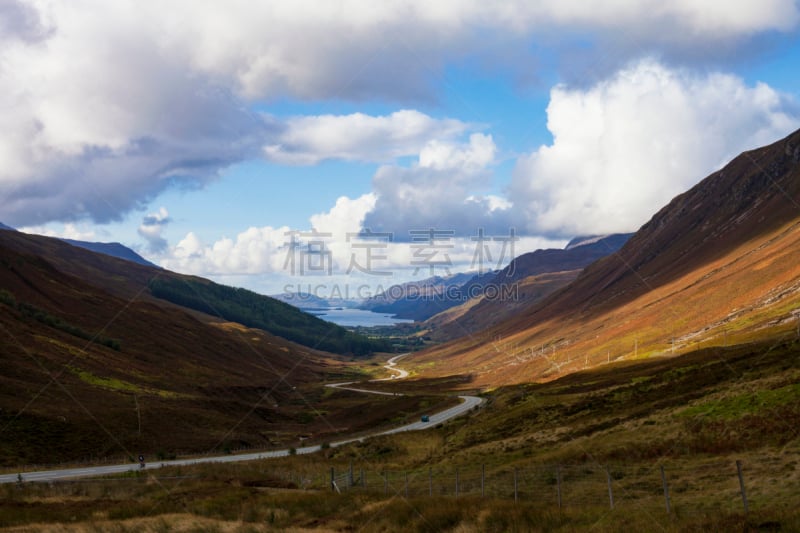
(103, 108)
(21, 21)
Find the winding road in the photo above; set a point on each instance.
(468, 402)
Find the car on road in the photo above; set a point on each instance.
(426, 418)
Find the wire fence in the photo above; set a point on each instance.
(766, 483)
(717, 485)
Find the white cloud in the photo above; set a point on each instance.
(106, 104)
(442, 190)
(253, 251)
(347, 216)
(358, 137)
(475, 156)
(359, 49)
(623, 148)
(67, 231)
(151, 228)
(258, 257)
(266, 250)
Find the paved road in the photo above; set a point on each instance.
(468, 402)
(391, 366)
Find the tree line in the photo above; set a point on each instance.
(258, 311)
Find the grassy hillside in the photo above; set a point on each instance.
(89, 373)
(719, 265)
(257, 311)
(484, 312)
(695, 415)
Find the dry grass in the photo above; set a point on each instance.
(691, 414)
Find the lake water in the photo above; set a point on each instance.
(357, 317)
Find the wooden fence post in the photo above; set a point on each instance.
(456, 482)
(430, 481)
(610, 491)
(516, 499)
(483, 481)
(666, 488)
(558, 484)
(333, 479)
(741, 485)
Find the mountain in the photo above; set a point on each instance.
(419, 300)
(131, 280)
(262, 312)
(114, 249)
(495, 304)
(527, 279)
(92, 364)
(720, 264)
(433, 297)
(579, 253)
(304, 300)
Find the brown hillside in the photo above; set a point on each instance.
(179, 381)
(718, 264)
(486, 311)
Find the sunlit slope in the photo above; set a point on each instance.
(719, 264)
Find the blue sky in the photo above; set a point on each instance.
(201, 135)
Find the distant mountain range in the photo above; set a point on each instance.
(424, 299)
(719, 264)
(312, 302)
(114, 249)
(419, 300)
(579, 253)
(526, 280)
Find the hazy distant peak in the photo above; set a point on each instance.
(114, 249)
(3, 226)
(584, 240)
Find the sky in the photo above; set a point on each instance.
(338, 147)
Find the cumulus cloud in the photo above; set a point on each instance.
(151, 227)
(624, 147)
(253, 251)
(106, 104)
(97, 119)
(67, 231)
(269, 250)
(442, 190)
(336, 256)
(358, 137)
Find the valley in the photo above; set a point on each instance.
(695, 415)
(671, 358)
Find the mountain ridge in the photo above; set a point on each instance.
(425, 299)
(527, 279)
(114, 249)
(121, 372)
(718, 263)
